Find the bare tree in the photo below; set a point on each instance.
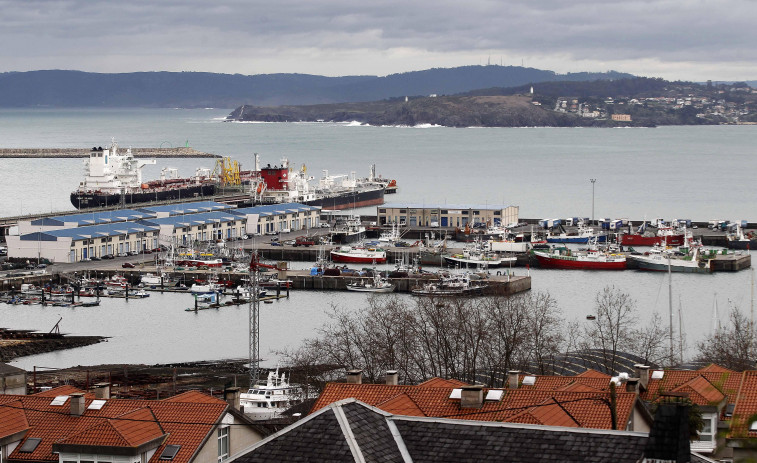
(733, 347)
(651, 342)
(612, 331)
(465, 338)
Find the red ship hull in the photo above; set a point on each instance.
(560, 262)
(641, 240)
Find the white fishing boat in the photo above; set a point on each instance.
(683, 260)
(377, 284)
(452, 285)
(268, 399)
(476, 255)
(358, 255)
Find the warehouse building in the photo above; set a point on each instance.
(280, 218)
(446, 215)
(163, 225)
(81, 243)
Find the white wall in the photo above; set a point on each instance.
(56, 251)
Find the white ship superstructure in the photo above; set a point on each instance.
(108, 171)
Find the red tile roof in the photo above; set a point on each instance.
(726, 381)
(590, 373)
(12, 419)
(441, 382)
(187, 420)
(701, 391)
(746, 407)
(714, 368)
(589, 409)
(128, 430)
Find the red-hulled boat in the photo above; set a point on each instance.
(590, 260)
(358, 255)
(665, 236)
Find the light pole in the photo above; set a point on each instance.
(593, 181)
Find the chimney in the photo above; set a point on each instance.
(231, 396)
(472, 396)
(77, 403)
(392, 378)
(102, 391)
(632, 385)
(669, 438)
(512, 379)
(355, 377)
(642, 372)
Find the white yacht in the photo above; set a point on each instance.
(269, 399)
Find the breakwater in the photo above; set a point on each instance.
(39, 153)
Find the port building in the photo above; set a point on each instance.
(85, 219)
(446, 215)
(80, 236)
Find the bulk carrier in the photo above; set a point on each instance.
(114, 178)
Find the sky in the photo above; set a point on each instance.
(674, 39)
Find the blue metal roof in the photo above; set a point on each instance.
(94, 231)
(485, 207)
(94, 218)
(179, 221)
(276, 209)
(187, 208)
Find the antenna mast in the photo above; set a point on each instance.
(254, 314)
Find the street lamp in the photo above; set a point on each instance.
(593, 181)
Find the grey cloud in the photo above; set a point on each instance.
(168, 32)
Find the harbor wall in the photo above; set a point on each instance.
(179, 152)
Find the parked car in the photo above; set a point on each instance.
(107, 256)
(94, 258)
(276, 243)
(122, 254)
(127, 265)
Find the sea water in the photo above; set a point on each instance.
(700, 173)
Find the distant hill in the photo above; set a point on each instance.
(449, 111)
(62, 89)
(642, 101)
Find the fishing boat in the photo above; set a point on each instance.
(349, 231)
(476, 255)
(377, 284)
(210, 286)
(665, 235)
(583, 235)
(358, 255)
(740, 240)
(452, 285)
(592, 259)
(661, 259)
(268, 399)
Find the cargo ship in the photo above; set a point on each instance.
(114, 178)
(280, 184)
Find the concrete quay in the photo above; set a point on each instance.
(179, 152)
